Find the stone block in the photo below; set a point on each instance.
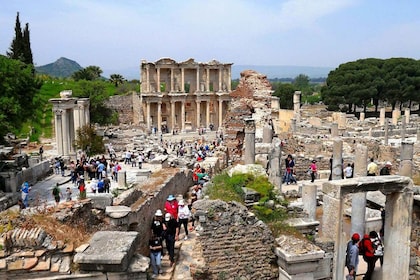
(15, 265)
(3, 264)
(81, 248)
(100, 200)
(120, 247)
(43, 265)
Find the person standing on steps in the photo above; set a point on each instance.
(313, 170)
(171, 230)
(183, 217)
(155, 246)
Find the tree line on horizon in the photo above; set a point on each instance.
(394, 81)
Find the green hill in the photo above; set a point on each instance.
(61, 68)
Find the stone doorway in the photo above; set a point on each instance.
(398, 209)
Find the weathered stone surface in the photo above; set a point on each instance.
(81, 248)
(42, 265)
(3, 264)
(15, 265)
(117, 212)
(120, 247)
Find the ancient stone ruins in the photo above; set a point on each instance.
(188, 104)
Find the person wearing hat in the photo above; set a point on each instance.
(352, 255)
(157, 223)
(184, 215)
(170, 226)
(171, 206)
(386, 170)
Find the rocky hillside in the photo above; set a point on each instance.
(61, 68)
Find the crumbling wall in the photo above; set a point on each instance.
(251, 99)
(123, 105)
(234, 244)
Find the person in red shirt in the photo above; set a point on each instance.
(171, 206)
(368, 252)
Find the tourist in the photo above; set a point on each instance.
(68, 194)
(25, 188)
(290, 164)
(94, 185)
(372, 168)
(155, 246)
(21, 204)
(157, 223)
(140, 160)
(192, 200)
(352, 255)
(348, 171)
(127, 157)
(56, 194)
(184, 215)
(386, 170)
(101, 186)
(368, 252)
(100, 170)
(378, 246)
(41, 151)
(62, 167)
(197, 191)
(313, 170)
(171, 206)
(107, 184)
(171, 230)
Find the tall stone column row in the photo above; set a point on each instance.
(70, 114)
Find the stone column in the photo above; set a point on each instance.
(386, 132)
(149, 125)
(396, 113)
(172, 80)
(198, 79)
(220, 79)
(147, 79)
(158, 79)
(207, 113)
(403, 127)
(418, 134)
(382, 116)
(358, 202)
(207, 79)
(65, 133)
(309, 192)
(183, 116)
(267, 134)
(293, 125)
(274, 172)
(159, 117)
(296, 105)
(337, 163)
(58, 130)
(220, 113)
(229, 79)
(362, 116)
(334, 130)
(249, 141)
(406, 164)
(398, 221)
(407, 115)
(122, 179)
(198, 102)
(342, 121)
(182, 80)
(172, 115)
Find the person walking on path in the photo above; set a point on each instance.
(313, 170)
(25, 188)
(184, 215)
(155, 246)
(171, 206)
(352, 255)
(171, 230)
(56, 194)
(368, 252)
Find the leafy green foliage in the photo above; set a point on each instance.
(227, 188)
(88, 141)
(116, 79)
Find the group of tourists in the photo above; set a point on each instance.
(370, 247)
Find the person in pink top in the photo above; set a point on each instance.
(313, 169)
(171, 206)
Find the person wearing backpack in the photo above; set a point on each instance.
(368, 252)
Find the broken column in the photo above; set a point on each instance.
(386, 133)
(267, 134)
(337, 162)
(396, 114)
(249, 141)
(403, 127)
(382, 116)
(362, 116)
(406, 164)
(358, 203)
(407, 115)
(296, 105)
(309, 192)
(334, 130)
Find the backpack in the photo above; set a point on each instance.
(362, 247)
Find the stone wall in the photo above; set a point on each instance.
(123, 105)
(234, 244)
(415, 241)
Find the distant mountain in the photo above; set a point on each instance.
(282, 71)
(62, 68)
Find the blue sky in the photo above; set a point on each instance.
(117, 35)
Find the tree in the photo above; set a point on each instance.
(301, 82)
(88, 141)
(116, 79)
(89, 73)
(285, 92)
(21, 47)
(18, 87)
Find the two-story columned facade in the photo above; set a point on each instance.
(185, 95)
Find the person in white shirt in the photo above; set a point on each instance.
(348, 171)
(184, 215)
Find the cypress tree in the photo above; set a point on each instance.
(16, 48)
(27, 52)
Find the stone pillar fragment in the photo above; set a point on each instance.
(358, 203)
(407, 115)
(406, 164)
(122, 179)
(382, 116)
(386, 132)
(198, 102)
(396, 113)
(334, 130)
(362, 116)
(249, 141)
(403, 127)
(267, 134)
(183, 116)
(337, 163)
(220, 113)
(296, 105)
(309, 192)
